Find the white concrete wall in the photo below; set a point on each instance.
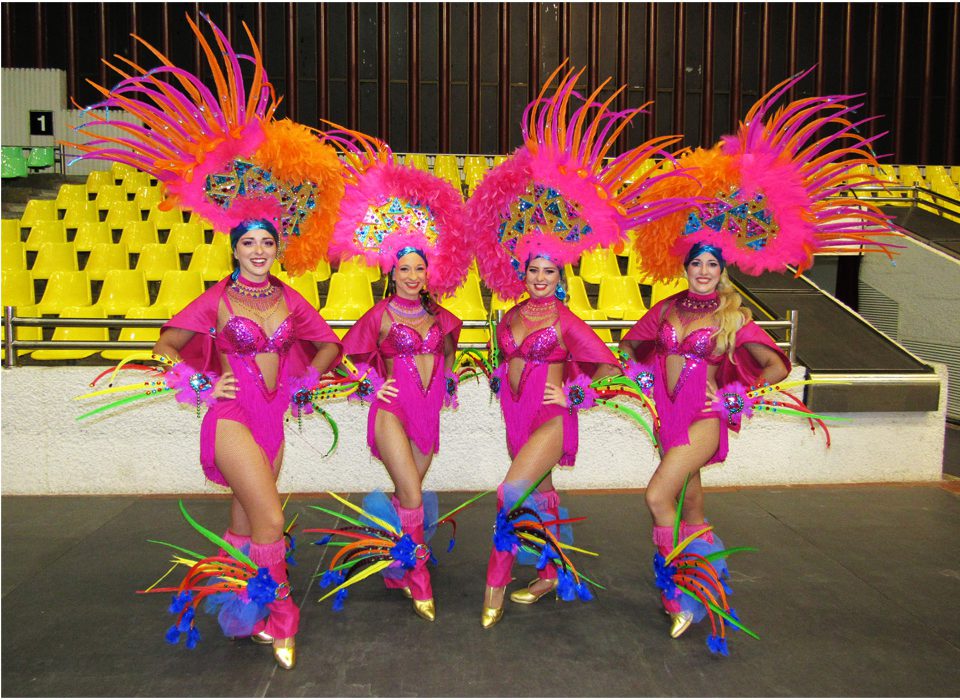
(153, 447)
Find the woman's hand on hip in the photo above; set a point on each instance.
(388, 391)
(226, 387)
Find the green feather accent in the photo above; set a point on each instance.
(121, 402)
(676, 521)
(217, 540)
(723, 554)
(178, 548)
(461, 507)
(333, 426)
(783, 410)
(531, 489)
(632, 414)
(350, 520)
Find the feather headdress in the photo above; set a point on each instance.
(222, 154)
(389, 207)
(772, 194)
(554, 195)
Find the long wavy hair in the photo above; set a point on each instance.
(731, 316)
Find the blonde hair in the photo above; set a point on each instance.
(731, 316)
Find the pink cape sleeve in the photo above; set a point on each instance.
(745, 369)
(362, 341)
(309, 328)
(587, 350)
(200, 316)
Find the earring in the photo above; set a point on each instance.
(561, 293)
(235, 274)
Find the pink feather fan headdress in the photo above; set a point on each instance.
(221, 154)
(555, 196)
(388, 207)
(773, 193)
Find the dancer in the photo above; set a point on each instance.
(697, 339)
(767, 197)
(276, 187)
(265, 335)
(549, 202)
(404, 220)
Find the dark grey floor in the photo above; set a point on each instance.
(854, 592)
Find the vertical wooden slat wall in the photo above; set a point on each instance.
(907, 58)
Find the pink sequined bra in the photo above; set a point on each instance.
(403, 341)
(697, 345)
(244, 336)
(542, 345)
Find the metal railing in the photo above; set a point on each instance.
(12, 322)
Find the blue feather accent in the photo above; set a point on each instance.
(173, 635)
(451, 544)
(664, 576)
(262, 589)
(566, 588)
(179, 601)
(323, 540)
(504, 538)
(193, 636)
(583, 592)
(718, 645)
(338, 599)
(186, 620)
(405, 552)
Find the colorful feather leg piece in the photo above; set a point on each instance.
(233, 584)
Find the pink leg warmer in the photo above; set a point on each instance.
(548, 503)
(284, 618)
(399, 582)
(238, 541)
(687, 529)
(418, 578)
(500, 566)
(663, 539)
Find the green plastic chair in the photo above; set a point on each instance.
(12, 162)
(40, 157)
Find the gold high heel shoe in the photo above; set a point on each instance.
(525, 596)
(286, 655)
(406, 593)
(425, 609)
(681, 621)
(491, 616)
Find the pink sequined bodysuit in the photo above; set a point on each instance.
(259, 407)
(523, 407)
(416, 406)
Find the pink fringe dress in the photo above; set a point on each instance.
(570, 341)
(240, 340)
(416, 406)
(682, 406)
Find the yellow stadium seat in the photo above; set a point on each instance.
(45, 232)
(137, 234)
(497, 160)
(466, 303)
(185, 237)
(132, 335)
(178, 288)
(357, 265)
(17, 288)
(54, 257)
(595, 315)
(321, 273)
(121, 214)
(662, 290)
(105, 257)
(64, 289)
(597, 264)
(23, 332)
(109, 196)
(445, 168)
(499, 304)
(146, 198)
(134, 181)
(212, 262)
(70, 194)
(348, 297)
(418, 160)
(633, 269)
(38, 210)
(165, 220)
(67, 333)
(910, 175)
(78, 213)
(157, 259)
(14, 256)
(222, 241)
(619, 297)
(122, 290)
(91, 234)
(204, 224)
(120, 170)
(11, 231)
(577, 294)
(306, 284)
(98, 179)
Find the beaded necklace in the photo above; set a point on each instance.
(262, 298)
(411, 311)
(693, 306)
(536, 311)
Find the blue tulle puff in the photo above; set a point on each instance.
(379, 505)
(431, 512)
(236, 613)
